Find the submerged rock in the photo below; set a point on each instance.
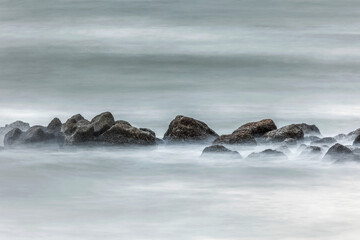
(340, 153)
(326, 140)
(291, 131)
(266, 154)
(34, 135)
(352, 135)
(219, 149)
(122, 133)
(102, 122)
(290, 141)
(311, 152)
(186, 129)
(340, 137)
(23, 126)
(12, 136)
(311, 138)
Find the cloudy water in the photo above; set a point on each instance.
(224, 62)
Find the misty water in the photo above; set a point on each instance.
(224, 62)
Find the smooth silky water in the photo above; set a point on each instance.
(224, 62)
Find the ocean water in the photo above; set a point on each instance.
(224, 62)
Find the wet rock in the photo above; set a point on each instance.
(36, 134)
(122, 133)
(122, 122)
(290, 141)
(186, 129)
(54, 126)
(326, 140)
(12, 136)
(340, 153)
(357, 140)
(257, 129)
(102, 122)
(219, 149)
(23, 126)
(238, 137)
(267, 154)
(291, 131)
(283, 148)
(309, 130)
(352, 135)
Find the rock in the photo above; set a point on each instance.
(290, 141)
(326, 140)
(185, 129)
(340, 137)
(54, 126)
(284, 149)
(123, 122)
(258, 129)
(290, 131)
(357, 140)
(8, 127)
(238, 137)
(122, 133)
(266, 154)
(12, 136)
(309, 130)
(82, 132)
(36, 134)
(102, 122)
(148, 130)
(219, 149)
(311, 138)
(340, 153)
(311, 152)
(352, 135)
(69, 126)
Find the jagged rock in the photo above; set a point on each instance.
(12, 136)
(54, 126)
(237, 137)
(357, 140)
(102, 122)
(82, 133)
(309, 130)
(186, 129)
(219, 149)
(352, 135)
(290, 131)
(268, 153)
(340, 153)
(326, 140)
(122, 133)
(257, 129)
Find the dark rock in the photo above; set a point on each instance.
(326, 140)
(12, 136)
(122, 133)
(290, 131)
(159, 141)
(268, 153)
(309, 130)
(36, 134)
(82, 133)
(54, 126)
(238, 137)
(8, 127)
(69, 126)
(102, 122)
(148, 130)
(123, 122)
(219, 149)
(357, 140)
(340, 153)
(185, 129)
(257, 129)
